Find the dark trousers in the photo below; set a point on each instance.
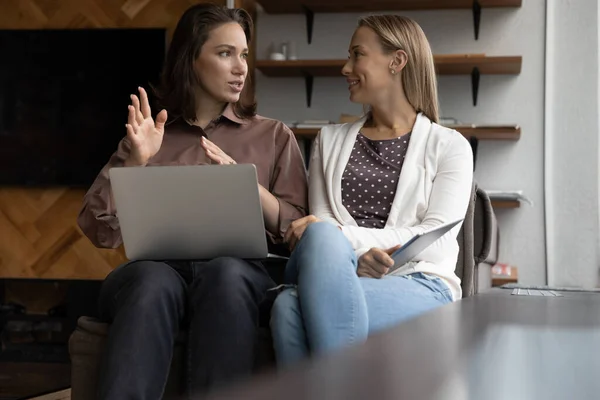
(148, 302)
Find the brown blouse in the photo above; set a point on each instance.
(266, 143)
(370, 179)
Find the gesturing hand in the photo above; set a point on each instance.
(375, 263)
(144, 134)
(214, 153)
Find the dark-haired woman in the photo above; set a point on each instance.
(205, 120)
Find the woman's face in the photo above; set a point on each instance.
(221, 66)
(367, 70)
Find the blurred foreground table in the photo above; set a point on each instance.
(491, 346)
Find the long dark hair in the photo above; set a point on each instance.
(175, 92)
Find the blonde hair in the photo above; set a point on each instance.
(418, 76)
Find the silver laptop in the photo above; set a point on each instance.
(418, 243)
(189, 212)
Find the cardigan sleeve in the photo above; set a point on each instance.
(448, 202)
(318, 202)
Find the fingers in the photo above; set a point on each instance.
(382, 258)
(215, 153)
(213, 157)
(131, 119)
(311, 218)
(136, 105)
(208, 145)
(145, 105)
(372, 263)
(288, 234)
(378, 269)
(297, 235)
(391, 250)
(365, 271)
(130, 132)
(295, 231)
(300, 223)
(161, 119)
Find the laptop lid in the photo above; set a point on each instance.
(189, 212)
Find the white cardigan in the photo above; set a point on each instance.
(434, 188)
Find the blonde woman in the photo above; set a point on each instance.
(374, 184)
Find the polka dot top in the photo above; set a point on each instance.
(370, 179)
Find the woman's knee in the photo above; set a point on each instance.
(320, 230)
(224, 270)
(232, 280)
(323, 252)
(324, 236)
(143, 284)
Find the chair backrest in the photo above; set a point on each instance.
(475, 239)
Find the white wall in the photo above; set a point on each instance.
(502, 99)
(572, 142)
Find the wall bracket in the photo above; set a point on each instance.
(310, 21)
(474, 146)
(476, 17)
(475, 84)
(308, 84)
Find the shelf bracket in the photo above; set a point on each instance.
(308, 83)
(476, 17)
(310, 21)
(475, 84)
(307, 151)
(474, 144)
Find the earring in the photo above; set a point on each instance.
(393, 71)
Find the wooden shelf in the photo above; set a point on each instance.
(310, 7)
(452, 64)
(481, 133)
(506, 203)
(332, 6)
(509, 132)
(296, 68)
(445, 65)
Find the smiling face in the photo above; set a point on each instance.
(367, 70)
(221, 66)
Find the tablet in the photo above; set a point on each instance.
(418, 243)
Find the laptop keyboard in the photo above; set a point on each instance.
(535, 292)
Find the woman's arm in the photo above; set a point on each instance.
(286, 198)
(97, 218)
(270, 207)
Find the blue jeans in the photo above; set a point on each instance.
(331, 307)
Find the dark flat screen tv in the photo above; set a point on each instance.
(64, 97)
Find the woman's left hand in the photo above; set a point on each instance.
(296, 229)
(214, 153)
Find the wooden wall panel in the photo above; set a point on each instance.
(39, 237)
